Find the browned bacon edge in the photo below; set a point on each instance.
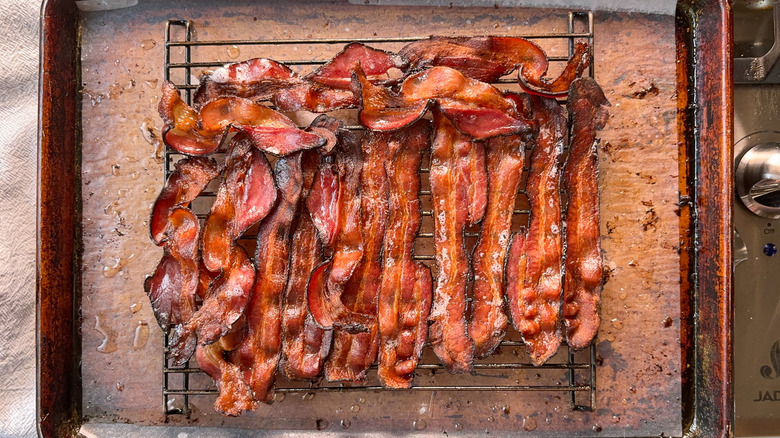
(190, 177)
(487, 58)
(353, 354)
(505, 158)
(406, 288)
(584, 265)
(535, 257)
(259, 351)
(326, 284)
(235, 395)
(447, 332)
(173, 286)
(304, 345)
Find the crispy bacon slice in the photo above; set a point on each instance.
(255, 79)
(190, 177)
(535, 257)
(406, 286)
(490, 57)
(199, 133)
(475, 108)
(327, 282)
(235, 395)
(258, 354)
(246, 194)
(173, 285)
(447, 331)
(584, 266)
(505, 169)
(304, 345)
(353, 354)
(475, 172)
(376, 64)
(223, 305)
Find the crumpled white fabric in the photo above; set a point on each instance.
(19, 40)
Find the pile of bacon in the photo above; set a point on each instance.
(333, 286)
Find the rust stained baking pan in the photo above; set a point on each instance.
(667, 331)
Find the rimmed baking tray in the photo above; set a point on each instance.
(100, 72)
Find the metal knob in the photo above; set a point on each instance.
(758, 179)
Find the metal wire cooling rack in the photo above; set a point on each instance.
(568, 372)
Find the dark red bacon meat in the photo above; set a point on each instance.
(535, 258)
(447, 333)
(584, 266)
(405, 290)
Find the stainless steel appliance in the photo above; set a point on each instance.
(757, 220)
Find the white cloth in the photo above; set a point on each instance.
(19, 40)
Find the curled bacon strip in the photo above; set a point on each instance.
(535, 256)
(259, 352)
(406, 286)
(305, 345)
(200, 133)
(173, 286)
(235, 395)
(326, 89)
(505, 169)
(326, 285)
(448, 335)
(584, 266)
(490, 57)
(353, 354)
(475, 108)
(191, 176)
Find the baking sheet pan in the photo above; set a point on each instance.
(641, 370)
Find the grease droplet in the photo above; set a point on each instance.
(322, 424)
(120, 386)
(141, 335)
(148, 44)
(618, 324)
(345, 423)
(623, 295)
(491, 419)
(308, 396)
(109, 336)
(279, 396)
(505, 410)
(111, 271)
(136, 307)
(596, 428)
(529, 423)
(361, 400)
(616, 419)
(458, 426)
(152, 84)
(419, 424)
(115, 169)
(233, 52)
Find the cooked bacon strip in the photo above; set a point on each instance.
(246, 194)
(259, 351)
(224, 303)
(353, 354)
(327, 282)
(447, 332)
(475, 108)
(505, 169)
(376, 64)
(191, 176)
(173, 285)
(255, 79)
(200, 133)
(473, 168)
(235, 395)
(535, 258)
(304, 345)
(490, 57)
(584, 266)
(405, 290)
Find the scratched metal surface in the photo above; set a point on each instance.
(638, 373)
